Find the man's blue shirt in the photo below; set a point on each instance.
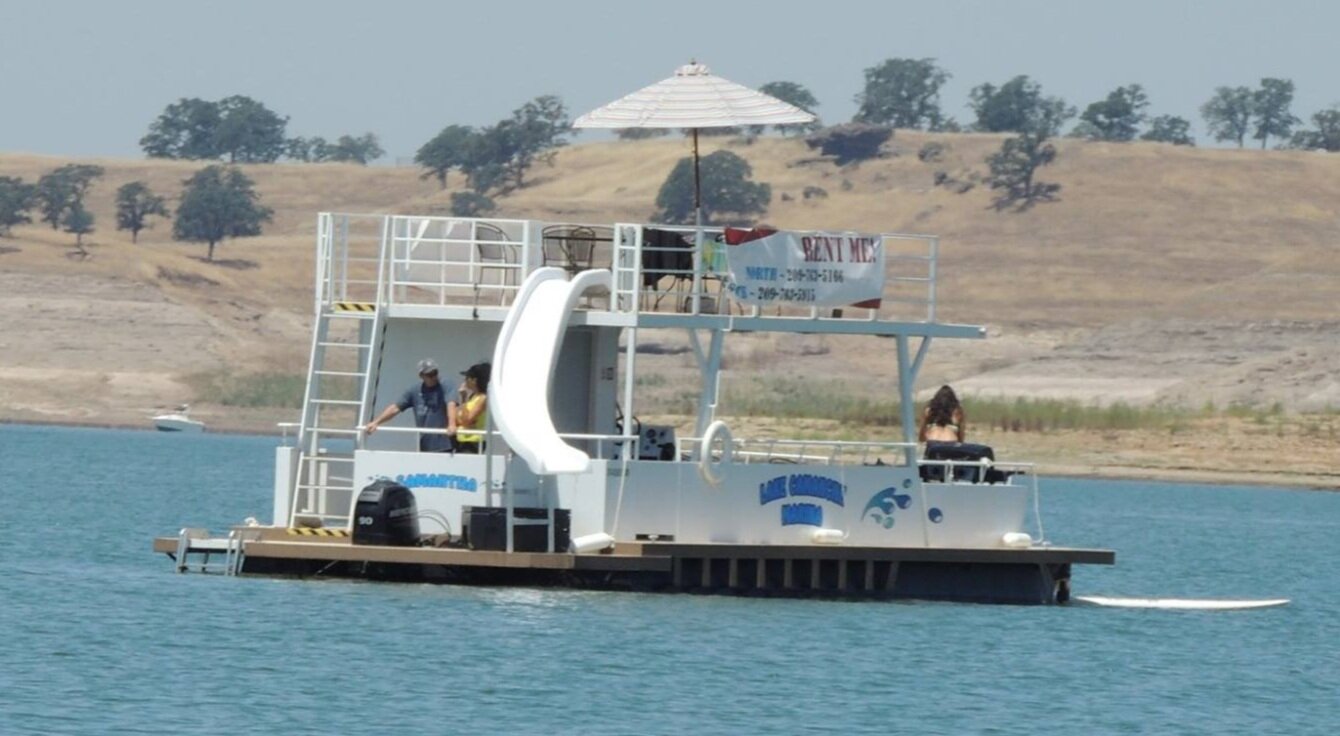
(430, 410)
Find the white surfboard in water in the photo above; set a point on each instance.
(1188, 604)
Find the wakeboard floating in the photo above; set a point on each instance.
(1186, 604)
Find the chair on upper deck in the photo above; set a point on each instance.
(569, 247)
(499, 253)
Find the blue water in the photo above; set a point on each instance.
(100, 636)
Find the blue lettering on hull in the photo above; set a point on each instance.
(438, 480)
(802, 485)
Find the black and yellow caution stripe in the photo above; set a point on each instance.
(355, 307)
(309, 532)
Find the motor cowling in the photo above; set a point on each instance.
(386, 514)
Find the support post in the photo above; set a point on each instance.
(709, 366)
(906, 379)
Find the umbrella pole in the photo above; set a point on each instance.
(697, 186)
(697, 227)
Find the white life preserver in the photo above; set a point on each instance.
(713, 475)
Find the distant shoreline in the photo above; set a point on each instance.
(146, 427)
(1091, 472)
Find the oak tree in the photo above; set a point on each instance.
(219, 202)
(135, 204)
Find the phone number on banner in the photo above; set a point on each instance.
(784, 294)
(814, 275)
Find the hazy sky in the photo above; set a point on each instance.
(87, 78)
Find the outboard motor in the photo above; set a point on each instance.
(387, 515)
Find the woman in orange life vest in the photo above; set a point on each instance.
(943, 419)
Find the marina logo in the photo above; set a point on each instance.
(883, 504)
(806, 486)
(438, 480)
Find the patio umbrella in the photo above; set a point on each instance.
(694, 98)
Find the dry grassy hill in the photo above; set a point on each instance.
(1160, 274)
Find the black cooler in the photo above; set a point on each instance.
(387, 515)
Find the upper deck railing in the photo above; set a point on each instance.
(670, 269)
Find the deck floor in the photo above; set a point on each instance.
(1033, 575)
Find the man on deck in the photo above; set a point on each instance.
(430, 409)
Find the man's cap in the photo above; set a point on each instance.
(478, 371)
(427, 365)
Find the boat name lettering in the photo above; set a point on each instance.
(801, 484)
(438, 480)
(802, 513)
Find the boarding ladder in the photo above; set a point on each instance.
(223, 555)
(346, 351)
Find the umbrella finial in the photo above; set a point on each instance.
(693, 69)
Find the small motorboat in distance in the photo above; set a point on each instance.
(178, 421)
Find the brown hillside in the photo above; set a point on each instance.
(1161, 273)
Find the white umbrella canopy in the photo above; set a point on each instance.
(694, 98)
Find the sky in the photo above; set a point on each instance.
(86, 78)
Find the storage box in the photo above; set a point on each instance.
(483, 527)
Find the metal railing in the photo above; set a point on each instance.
(605, 444)
(430, 260)
(818, 452)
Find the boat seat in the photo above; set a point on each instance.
(962, 452)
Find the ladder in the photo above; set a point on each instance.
(197, 541)
(346, 350)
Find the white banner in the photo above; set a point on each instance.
(805, 268)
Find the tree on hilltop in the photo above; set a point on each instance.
(63, 191)
(238, 127)
(1169, 129)
(537, 129)
(219, 202)
(78, 221)
(1228, 115)
(447, 150)
(1014, 167)
(1270, 110)
(135, 204)
(792, 94)
(1018, 106)
(902, 93)
(1327, 135)
(726, 187)
(248, 131)
(349, 149)
(1117, 117)
(16, 199)
(186, 129)
(499, 156)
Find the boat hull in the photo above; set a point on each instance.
(178, 424)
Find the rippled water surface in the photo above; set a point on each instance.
(102, 637)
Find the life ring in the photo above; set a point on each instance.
(713, 475)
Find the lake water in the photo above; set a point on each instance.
(102, 637)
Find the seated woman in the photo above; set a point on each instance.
(943, 419)
(472, 410)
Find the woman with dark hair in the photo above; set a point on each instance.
(472, 410)
(943, 419)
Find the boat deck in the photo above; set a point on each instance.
(1038, 575)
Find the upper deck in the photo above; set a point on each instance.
(663, 275)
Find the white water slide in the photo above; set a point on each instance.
(523, 368)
